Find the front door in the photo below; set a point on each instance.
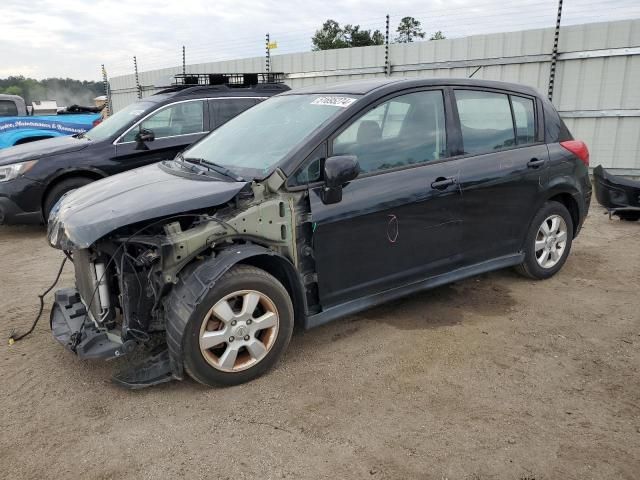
(175, 126)
(505, 170)
(400, 220)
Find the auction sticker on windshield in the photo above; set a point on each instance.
(334, 101)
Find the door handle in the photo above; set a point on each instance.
(535, 162)
(441, 183)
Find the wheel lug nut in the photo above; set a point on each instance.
(231, 339)
(233, 322)
(249, 322)
(246, 337)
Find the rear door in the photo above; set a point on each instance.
(175, 126)
(400, 220)
(505, 168)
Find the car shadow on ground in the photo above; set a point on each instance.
(22, 231)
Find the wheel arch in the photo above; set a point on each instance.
(565, 193)
(569, 201)
(90, 173)
(26, 135)
(23, 140)
(196, 279)
(281, 268)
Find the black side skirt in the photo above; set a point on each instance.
(369, 301)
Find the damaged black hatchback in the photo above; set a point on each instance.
(313, 205)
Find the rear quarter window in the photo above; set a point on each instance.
(525, 119)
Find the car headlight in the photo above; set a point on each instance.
(9, 172)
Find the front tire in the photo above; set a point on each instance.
(239, 330)
(59, 190)
(548, 242)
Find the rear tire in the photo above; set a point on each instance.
(239, 330)
(548, 242)
(59, 190)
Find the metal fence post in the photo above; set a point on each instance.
(268, 58)
(107, 91)
(387, 63)
(135, 69)
(554, 53)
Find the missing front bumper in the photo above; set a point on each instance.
(68, 316)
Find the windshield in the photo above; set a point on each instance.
(252, 143)
(118, 121)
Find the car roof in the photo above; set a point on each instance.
(363, 87)
(213, 91)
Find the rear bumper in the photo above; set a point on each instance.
(616, 193)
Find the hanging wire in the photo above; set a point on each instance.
(454, 20)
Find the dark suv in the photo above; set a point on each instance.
(314, 205)
(34, 176)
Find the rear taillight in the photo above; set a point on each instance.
(578, 148)
(97, 121)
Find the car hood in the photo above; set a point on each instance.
(42, 148)
(85, 215)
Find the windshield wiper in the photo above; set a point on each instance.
(215, 167)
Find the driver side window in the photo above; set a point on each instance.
(406, 130)
(179, 119)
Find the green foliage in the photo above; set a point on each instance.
(332, 36)
(13, 90)
(437, 36)
(362, 38)
(65, 91)
(408, 29)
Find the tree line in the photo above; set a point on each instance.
(65, 91)
(332, 35)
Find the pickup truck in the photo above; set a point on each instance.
(18, 127)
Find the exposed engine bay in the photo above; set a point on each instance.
(124, 280)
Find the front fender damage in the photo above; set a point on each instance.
(154, 273)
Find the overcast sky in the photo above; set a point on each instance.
(72, 38)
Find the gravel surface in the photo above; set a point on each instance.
(495, 377)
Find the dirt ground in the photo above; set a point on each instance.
(495, 377)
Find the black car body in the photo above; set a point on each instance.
(319, 203)
(34, 176)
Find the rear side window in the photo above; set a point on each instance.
(225, 109)
(406, 130)
(485, 120)
(525, 119)
(8, 109)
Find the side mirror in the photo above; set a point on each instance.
(338, 171)
(142, 137)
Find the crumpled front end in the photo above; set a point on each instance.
(124, 274)
(115, 307)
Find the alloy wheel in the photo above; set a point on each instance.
(551, 241)
(239, 331)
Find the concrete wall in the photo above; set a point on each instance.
(597, 86)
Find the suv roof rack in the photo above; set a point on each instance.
(186, 83)
(229, 79)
